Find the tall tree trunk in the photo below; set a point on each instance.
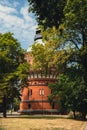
(4, 106)
(74, 114)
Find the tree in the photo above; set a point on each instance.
(66, 45)
(49, 53)
(66, 55)
(71, 93)
(16, 104)
(38, 54)
(76, 21)
(73, 15)
(13, 69)
(48, 12)
(70, 18)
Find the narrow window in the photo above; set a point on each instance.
(30, 92)
(53, 105)
(40, 92)
(29, 106)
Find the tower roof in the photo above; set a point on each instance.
(37, 39)
(38, 34)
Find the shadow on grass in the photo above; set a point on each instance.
(43, 117)
(37, 116)
(77, 119)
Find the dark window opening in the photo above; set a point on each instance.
(29, 106)
(53, 105)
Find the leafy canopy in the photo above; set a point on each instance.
(49, 12)
(66, 45)
(13, 67)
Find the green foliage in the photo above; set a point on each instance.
(67, 43)
(16, 104)
(13, 68)
(50, 53)
(76, 24)
(65, 47)
(38, 53)
(71, 91)
(75, 13)
(49, 12)
(11, 61)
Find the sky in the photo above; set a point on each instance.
(15, 18)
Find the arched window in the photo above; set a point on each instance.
(40, 92)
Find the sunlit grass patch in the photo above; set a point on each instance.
(41, 123)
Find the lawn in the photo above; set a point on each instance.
(40, 123)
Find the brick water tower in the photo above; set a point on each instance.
(34, 99)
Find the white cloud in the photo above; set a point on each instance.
(7, 10)
(24, 12)
(20, 23)
(10, 4)
(11, 19)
